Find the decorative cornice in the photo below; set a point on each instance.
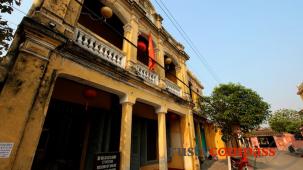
(127, 28)
(195, 79)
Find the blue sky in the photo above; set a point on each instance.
(258, 43)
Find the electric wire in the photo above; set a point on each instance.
(19, 10)
(187, 39)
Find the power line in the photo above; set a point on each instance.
(19, 10)
(200, 56)
(187, 39)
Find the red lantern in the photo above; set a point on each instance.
(90, 93)
(141, 46)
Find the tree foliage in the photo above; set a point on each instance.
(233, 104)
(286, 120)
(6, 32)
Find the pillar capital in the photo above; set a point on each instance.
(128, 99)
(190, 112)
(135, 19)
(161, 109)
(127, 28)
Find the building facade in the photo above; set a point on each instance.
(75, 85)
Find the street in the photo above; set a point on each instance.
(282, 161)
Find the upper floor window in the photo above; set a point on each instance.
(190, 90)
(170, 69)
(146, 50)
(90, 18)
(142, 52)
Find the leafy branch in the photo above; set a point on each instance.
(6, 32)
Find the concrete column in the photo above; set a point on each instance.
(131, 31)
(162, 139)
(160, 58)
(187, 128)
(193, 140)
(125, 133)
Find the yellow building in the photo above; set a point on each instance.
(77, 93)
(207, 135)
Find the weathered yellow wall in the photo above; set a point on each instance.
(176, 142)
(69, 70)
(213, 138)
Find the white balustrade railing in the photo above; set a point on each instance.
(146, 74)
(99, 48)
(173, 88)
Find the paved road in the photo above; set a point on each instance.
(282, 161)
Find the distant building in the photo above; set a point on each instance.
(267, 138)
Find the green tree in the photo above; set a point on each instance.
(233, 104)
(6, 32)
(286, 120)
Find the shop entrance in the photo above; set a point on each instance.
(144, 144)
(77, 128)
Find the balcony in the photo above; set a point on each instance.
(143, 72)
(173, 88)
(99, 48)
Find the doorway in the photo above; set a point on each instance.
(204, 147)
(144, 143)
(76, 129)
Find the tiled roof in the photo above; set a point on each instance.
(262, 132)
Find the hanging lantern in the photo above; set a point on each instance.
(141, 46)
(90, 93)
(168, 60)
(106, 12)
